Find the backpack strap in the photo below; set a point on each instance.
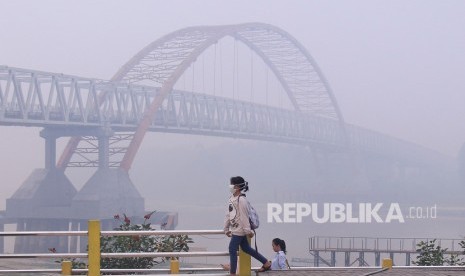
(287, 263)
(239, 198)
(255, 233)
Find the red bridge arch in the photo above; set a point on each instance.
(165, 60)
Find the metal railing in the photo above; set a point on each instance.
(367, 244)
(94, 255)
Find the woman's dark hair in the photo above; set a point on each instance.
(239, 181)
(280, 243)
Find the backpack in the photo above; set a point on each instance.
(253, 215)
(253, 219)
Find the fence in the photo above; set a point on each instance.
(94, 255)
(376, 246)
(396, 245)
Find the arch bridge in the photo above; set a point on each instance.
(108, 119)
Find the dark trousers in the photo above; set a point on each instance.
(245, 246)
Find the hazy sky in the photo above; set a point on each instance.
(395, 66)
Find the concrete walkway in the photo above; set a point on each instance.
(400, 271)
(312, 271)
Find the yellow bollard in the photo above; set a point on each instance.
(245, 262)
(174, 266)
(66, 268)
(94, 247)
(387, 263)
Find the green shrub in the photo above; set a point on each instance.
(119, 244)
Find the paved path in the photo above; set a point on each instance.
(411, 271)
(314, 271)
(13, 264)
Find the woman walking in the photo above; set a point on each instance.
(237, 225)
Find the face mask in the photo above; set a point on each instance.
(232, 189)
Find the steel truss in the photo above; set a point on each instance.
(34, 98)
(87, 154)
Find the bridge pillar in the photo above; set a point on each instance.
(42, 203)
(50, 150)
(104, 151)
(108, 192)
(48, 201)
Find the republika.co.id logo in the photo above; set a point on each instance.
(346, 212)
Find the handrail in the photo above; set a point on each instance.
(162, 232)
(10, 271)
(43, 233)
(382, 244)
(116, 255)
(94, 255)
(163, 254)
(43, 255)
(113, 233)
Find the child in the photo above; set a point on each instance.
(279, 261)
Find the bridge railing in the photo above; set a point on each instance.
(94, 254)
(34, 98)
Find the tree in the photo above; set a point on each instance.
(115, 244)
(430, 254)
(455, 259)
